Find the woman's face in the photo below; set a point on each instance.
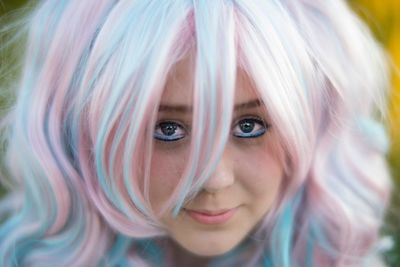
(240, 191)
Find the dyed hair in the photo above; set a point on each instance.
(79, 137)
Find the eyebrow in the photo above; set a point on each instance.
(183, 108)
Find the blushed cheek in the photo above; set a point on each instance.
(166, 171)
(261, 176)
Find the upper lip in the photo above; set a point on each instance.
(209, 212)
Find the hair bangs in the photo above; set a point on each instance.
(214, 66)
(275, 56)
(126, 78)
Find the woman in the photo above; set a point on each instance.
(196, 133)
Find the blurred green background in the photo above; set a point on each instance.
(383, 17)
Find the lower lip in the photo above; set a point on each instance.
(211, 219)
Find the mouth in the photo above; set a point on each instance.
(211, 217)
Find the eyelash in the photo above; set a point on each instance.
(161, 134)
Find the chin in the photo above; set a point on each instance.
(209, 249)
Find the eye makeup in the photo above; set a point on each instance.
(169, 131)
(248, 126)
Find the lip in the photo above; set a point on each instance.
(211, 216)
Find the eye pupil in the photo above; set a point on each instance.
(168, 128)
(246, 126)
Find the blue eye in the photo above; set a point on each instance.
(168, 131)
(250, 128)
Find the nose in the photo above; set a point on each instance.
(223, 177)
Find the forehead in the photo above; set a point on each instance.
(181, 78)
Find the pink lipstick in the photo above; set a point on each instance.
(211, 217)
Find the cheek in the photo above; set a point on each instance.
(166, 170)
(260, 174)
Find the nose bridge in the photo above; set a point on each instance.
(223, 176)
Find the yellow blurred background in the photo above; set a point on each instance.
(383, 17)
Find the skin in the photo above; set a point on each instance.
(247, 178)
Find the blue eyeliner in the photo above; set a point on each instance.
(166, 131)
(263, 128)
